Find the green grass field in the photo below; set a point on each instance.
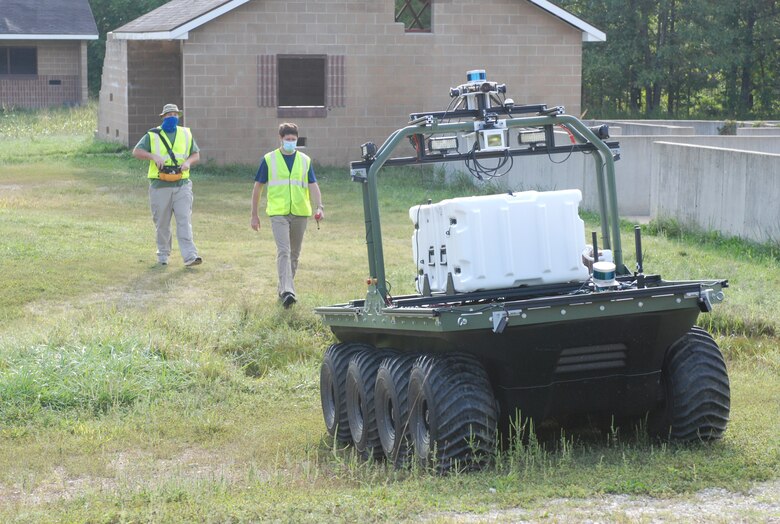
(135, 393)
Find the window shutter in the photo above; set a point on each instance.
(336, 81)
(266, 81)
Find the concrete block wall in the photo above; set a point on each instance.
(113, 104)
(387, 72)
(59, 57)
(61, 78)
(734, 192)
(139, 78)
(154, 80)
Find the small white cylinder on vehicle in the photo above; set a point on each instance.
(604, 275)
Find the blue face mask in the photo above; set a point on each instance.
(169, 124)
(289, 145)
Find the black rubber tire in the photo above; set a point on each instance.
(696, 383)
(392, 408)
(333, 396)
(361, 379)
(453, 413)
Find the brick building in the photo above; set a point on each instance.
(43, 52)
(344, 70)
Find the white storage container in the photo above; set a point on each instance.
(499, 241)
(428, 245)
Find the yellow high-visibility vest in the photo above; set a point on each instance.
(181, 150)
(288, 190)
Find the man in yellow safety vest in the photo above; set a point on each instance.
(292, 188)
(171, 151)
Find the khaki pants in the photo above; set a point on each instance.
(288, 233)
(173, 201)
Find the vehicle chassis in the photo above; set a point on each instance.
(546, 351)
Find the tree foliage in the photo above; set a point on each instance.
(682, 58)
(109, 15)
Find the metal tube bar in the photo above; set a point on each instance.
(603, 216)
(607, 188)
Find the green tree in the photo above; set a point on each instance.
(682, 58)
(613, 71)
(109, 15)
(750, 63)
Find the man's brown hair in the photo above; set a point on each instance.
(288, 128)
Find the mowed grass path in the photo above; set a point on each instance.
(130, 392)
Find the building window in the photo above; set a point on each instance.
(415, 15)
(301, 85)
(18, 61)
(301, 80)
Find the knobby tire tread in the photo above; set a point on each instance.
(334, 368)
(698, 392)
(463, 411)
(361, 379)
(394, 385)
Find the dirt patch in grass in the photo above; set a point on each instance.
(760, 504)
(190, 465)
(57, 486)
(127, 471)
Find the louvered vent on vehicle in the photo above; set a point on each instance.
(592, 358)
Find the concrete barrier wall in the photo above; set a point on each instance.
(758, 131)
(734, 192)
(699, 127)
(642, 191)
(633, 172)
(650, 127)
(690, 127)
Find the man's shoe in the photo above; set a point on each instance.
(194, 262)
(288, 299)
(162, 261)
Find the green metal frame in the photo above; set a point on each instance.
(605, 177)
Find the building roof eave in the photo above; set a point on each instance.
(152, 35)
(589, 33)
(9, 36)
(181, 32)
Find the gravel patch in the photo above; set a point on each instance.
(760, 504)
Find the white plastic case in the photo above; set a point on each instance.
(499, 241)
